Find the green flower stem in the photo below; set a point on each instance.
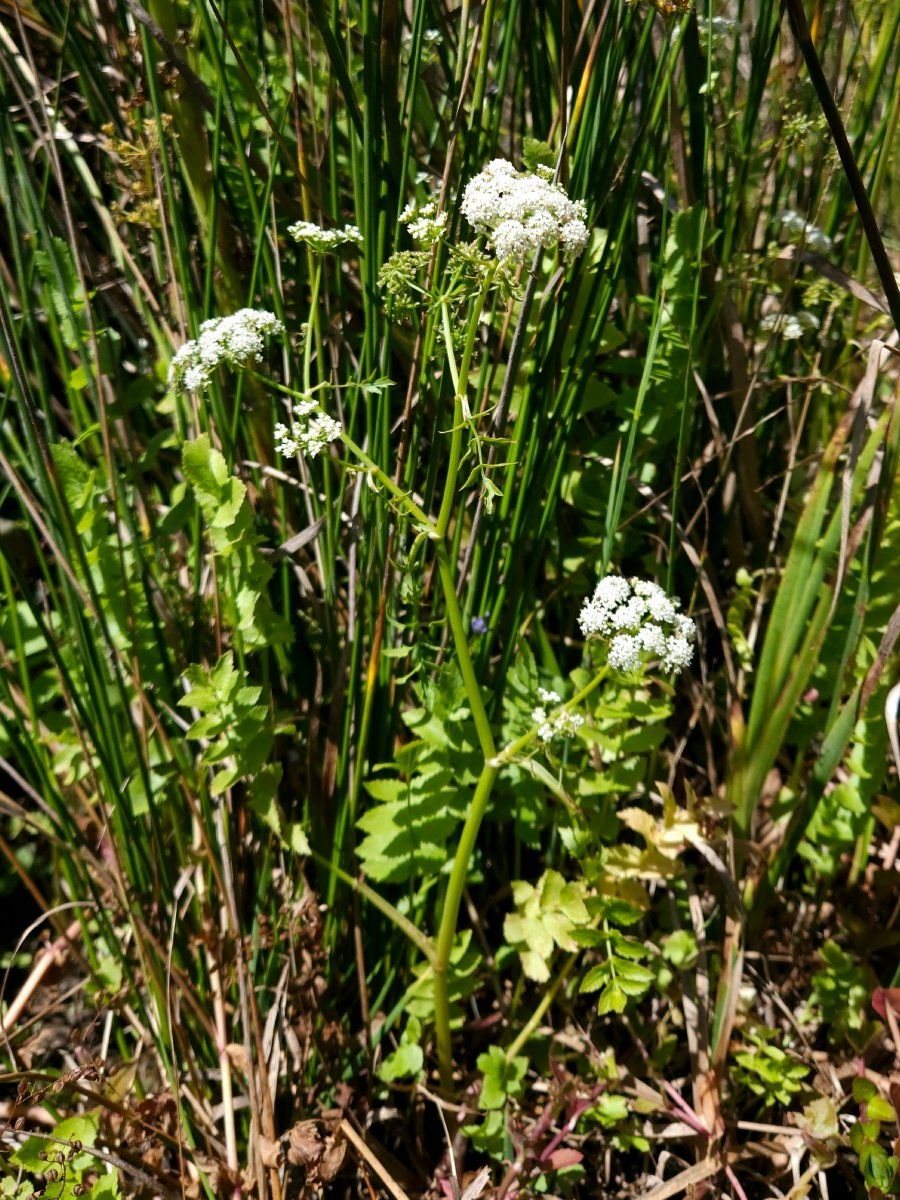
(493, 763)
(467, 670)
(460, 378)
(449, 915)
(453, 898)
(538, 1015)
(514, 749)
(403, 498)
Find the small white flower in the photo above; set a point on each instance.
(313, 432)
(679, 653)
(324, 240)
(234, 340)
(801, 230)
(521, 213)
(624, 653)
(563, 724)
(567, 724)
(641, 624)
(425, 224)
(322, 432)
(652, 639)
(790, 326)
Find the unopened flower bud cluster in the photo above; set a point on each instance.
(562, 724)
(324, 240)
(313, 432)
(522, 212)
(640, 623)
(234, 340)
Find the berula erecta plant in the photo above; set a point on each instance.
(355, 444)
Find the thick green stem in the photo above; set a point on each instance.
(467, 670)
(403, 499)
(461, 413)
(447, 932)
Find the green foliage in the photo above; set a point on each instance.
(407, 1061)
(840, 996)
(503, 1078)
(879, 1167)
(222, 499)
(464, 980)
(621, 976)
(502, 1084)
(546, 917)
(61, 1165)
(636, 408)
(409, 828)
(238, 737)
(769, 1072)
(619, 1123)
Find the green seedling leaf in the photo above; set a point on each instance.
(407, 1061)
(879, 1109)
(680, 949)
(502, 1077)
(610, 1109)
(863, 1089)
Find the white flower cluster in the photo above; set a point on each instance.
(790, 326)
(801, 230)
(324, 240)
(640, 622)
(312, 434)
(563, 724)
(425, 224)
(521, 213)
(233, 340)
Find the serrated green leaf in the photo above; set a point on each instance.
(612, 999)
(536, 153)
(106, 1187)
(386, 789)
(596, 978)
(632, 973)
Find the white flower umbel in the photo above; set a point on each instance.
(800, 230)
(790, 326)
(640, 623)
(324, 240)
(235, 340)
(561, 724)
(426, 225)
(520, 213)
(312, 432)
